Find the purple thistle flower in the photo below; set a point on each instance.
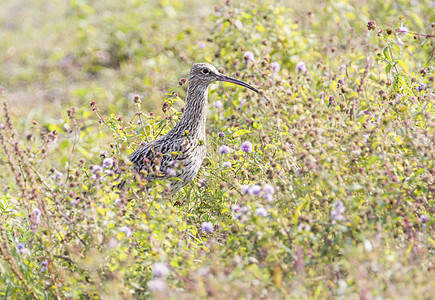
(21, 248)
(203, 183)
(57, 176)
(275, 67)
(218, 104)
(424, 219)
(255, 190)
(160, 270)
(224, 150)
(44, 265)
(207, 227)
(268, 197)
(331, 100)
(402, 30)
(126, 230)
(221, 134)
(337, 212)
(37, 212)
(235, 208)
(248, 56)
(97, 168)
(268, 189)
(108, 163)
(171, 172)
(227, 164)
(262, 212)
(157, 285)
(421, 87)
(301, 67)
(247, 146)
(245, 189)
(108, 172)
(242, 102)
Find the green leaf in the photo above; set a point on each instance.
(387, 54)
(388, 69)
(402, 64)
(241, 132)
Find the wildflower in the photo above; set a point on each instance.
(424, 219)
(248, 56)
(247, 146)
(36, 212)
(304, 227)
(227, 164)
(331, 100)
(160, 270)
(203, 183)
(44, 265)
(262, 212)
(275, 67)
(402, 30)
(207, 227)
(96, 169)
(219, 23)
(245, 189)
(421, 87)
(171, 172)
(103, 153)
(268, 189)
(157, 285)
(21, 248)
(201, 45)
(126, 230)
(371, 25)
(57, 176)
(268, 197)
(108, 163)
(337, 212)
(224, 150)
(204, 271)
(235, 208)
(301, 67)
(242, 102)
(255, 190)
(241, 212)
(218, 104)
(108, 172)
(165, 106)
(221, 134)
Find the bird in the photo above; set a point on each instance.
(181, 151)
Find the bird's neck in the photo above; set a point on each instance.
(195, 111)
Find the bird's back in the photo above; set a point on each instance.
(169, 157)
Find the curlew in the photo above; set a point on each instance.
(181, 151)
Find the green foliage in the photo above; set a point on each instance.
(335, 199)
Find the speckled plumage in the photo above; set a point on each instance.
(176, 147)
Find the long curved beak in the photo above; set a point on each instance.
(236, 81)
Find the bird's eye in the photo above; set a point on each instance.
(205, 71)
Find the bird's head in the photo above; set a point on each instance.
(204, 73)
